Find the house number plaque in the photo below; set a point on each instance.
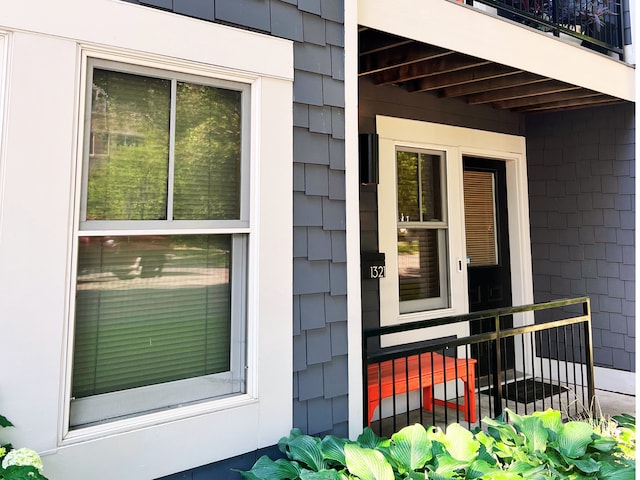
(373, 265)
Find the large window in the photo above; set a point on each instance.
(422, 231)
(162, 243)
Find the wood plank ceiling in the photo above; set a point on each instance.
(418, 67)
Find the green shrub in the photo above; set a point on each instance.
(538, 446)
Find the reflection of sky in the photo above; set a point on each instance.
(169, 278)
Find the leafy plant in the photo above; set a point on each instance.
(18, 464)
(538, 446)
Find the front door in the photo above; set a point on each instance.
(487, 239)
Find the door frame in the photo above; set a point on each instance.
(457, 142)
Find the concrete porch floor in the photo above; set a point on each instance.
(611, 403)
(606, 405)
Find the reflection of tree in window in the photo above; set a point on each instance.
(207, 172)
(131, 183)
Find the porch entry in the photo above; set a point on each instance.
(487, 244)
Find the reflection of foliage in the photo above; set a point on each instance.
(408, 246)
(130, 182)
(407, 168)
(207, 153)
(419, 192)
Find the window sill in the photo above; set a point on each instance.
(138, 422)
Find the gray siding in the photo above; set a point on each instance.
(320, 403)
(582, 197)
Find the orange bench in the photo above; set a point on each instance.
(385, 381)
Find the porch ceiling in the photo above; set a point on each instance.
(421, 68)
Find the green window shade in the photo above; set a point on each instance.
(151, 310)
(207, 153)
(129, 147)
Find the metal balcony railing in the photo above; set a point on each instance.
(543, 361)
(598, 24)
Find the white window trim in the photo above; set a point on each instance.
(455, 142)
(252, 395)
(197, 434)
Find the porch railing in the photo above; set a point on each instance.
(526, 358)
(598, 24)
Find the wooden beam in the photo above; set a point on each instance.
(371, 41)
(546, 98)
(489, 85)
(550, 86)
(449, 63)
(570, 104)
(398, 56)
(461, 77)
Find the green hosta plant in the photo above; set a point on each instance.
(536, 447)
(18, 464)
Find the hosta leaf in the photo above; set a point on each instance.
(284, 441)
(503, 432)
(588, 465)
(267, 469)
(460, 443)
(525, 469)
(574, 438)
(617, 472)
(536, 436)
(551, 419)
(367, 464)
(416, 476)
(435, 434)
(368, 439)
(332, 448)
(321, 475)
(306, 450)
(503, 475)
(411, 447)
(447, 464)
(604, 444)
(479, 468)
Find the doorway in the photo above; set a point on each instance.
(487, 242)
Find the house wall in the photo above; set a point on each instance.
(396, 102)
(582, 197)
(320, 403)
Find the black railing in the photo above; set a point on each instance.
(544, 362)
(598, 24)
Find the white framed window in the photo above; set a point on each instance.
(420, 225)
(422, 247)
(162, 243)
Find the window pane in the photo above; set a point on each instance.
(480, 218)
(207, 153)
(419, 187)
(408, 192)
(151, 309)
(129, 147)
(418, 264)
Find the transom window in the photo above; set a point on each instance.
(162, 243)
(422, 230)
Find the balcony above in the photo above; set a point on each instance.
(454, 50)
(596, 24)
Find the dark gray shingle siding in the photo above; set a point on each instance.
(582, 190)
